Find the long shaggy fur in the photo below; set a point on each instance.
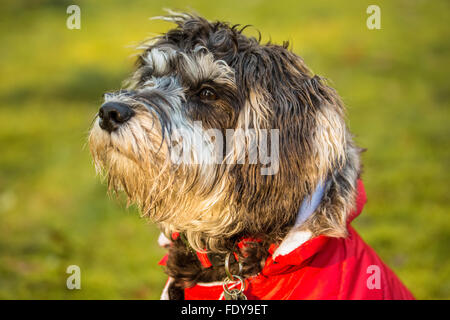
(215, 203)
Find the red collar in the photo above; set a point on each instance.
(303, 252)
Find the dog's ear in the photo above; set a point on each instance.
(328, 129)
(281, 93)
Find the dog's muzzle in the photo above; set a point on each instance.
(113, 114)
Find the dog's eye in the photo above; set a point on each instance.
(207, 94)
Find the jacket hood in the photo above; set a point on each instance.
(298, 246)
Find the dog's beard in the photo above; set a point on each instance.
(167, 166)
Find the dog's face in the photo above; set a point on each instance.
(217, 135)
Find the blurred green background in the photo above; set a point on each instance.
(54, 211)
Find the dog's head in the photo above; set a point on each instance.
(217, 135)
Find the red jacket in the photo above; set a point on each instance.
(320, 268)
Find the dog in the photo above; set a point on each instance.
(242, 157)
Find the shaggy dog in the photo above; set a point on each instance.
(236, 150)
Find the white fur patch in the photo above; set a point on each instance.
(159, 58)
(165, 293)
(163, 241)
(293, 240)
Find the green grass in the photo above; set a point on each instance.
(54, 212)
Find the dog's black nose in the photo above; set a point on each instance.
(113, 114)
